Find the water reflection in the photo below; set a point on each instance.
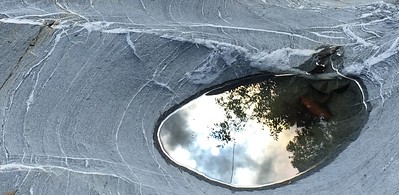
(264, 130)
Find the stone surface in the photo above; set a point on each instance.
(80, 97)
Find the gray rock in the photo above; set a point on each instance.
(80, 98)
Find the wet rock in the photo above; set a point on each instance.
(329, 86)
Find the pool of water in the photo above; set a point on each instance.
(264, 129)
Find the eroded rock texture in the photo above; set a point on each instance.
(82, 85)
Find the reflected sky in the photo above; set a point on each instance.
(261, 133)
(257, 156)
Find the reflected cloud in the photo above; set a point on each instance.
(264, 132)
(175, 132)
(217, 167)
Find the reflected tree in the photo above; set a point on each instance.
(276, 104)
(309, 146)
(264, 102)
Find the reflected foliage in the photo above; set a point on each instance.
(309, 146)
(259, 101)
(281, 104)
